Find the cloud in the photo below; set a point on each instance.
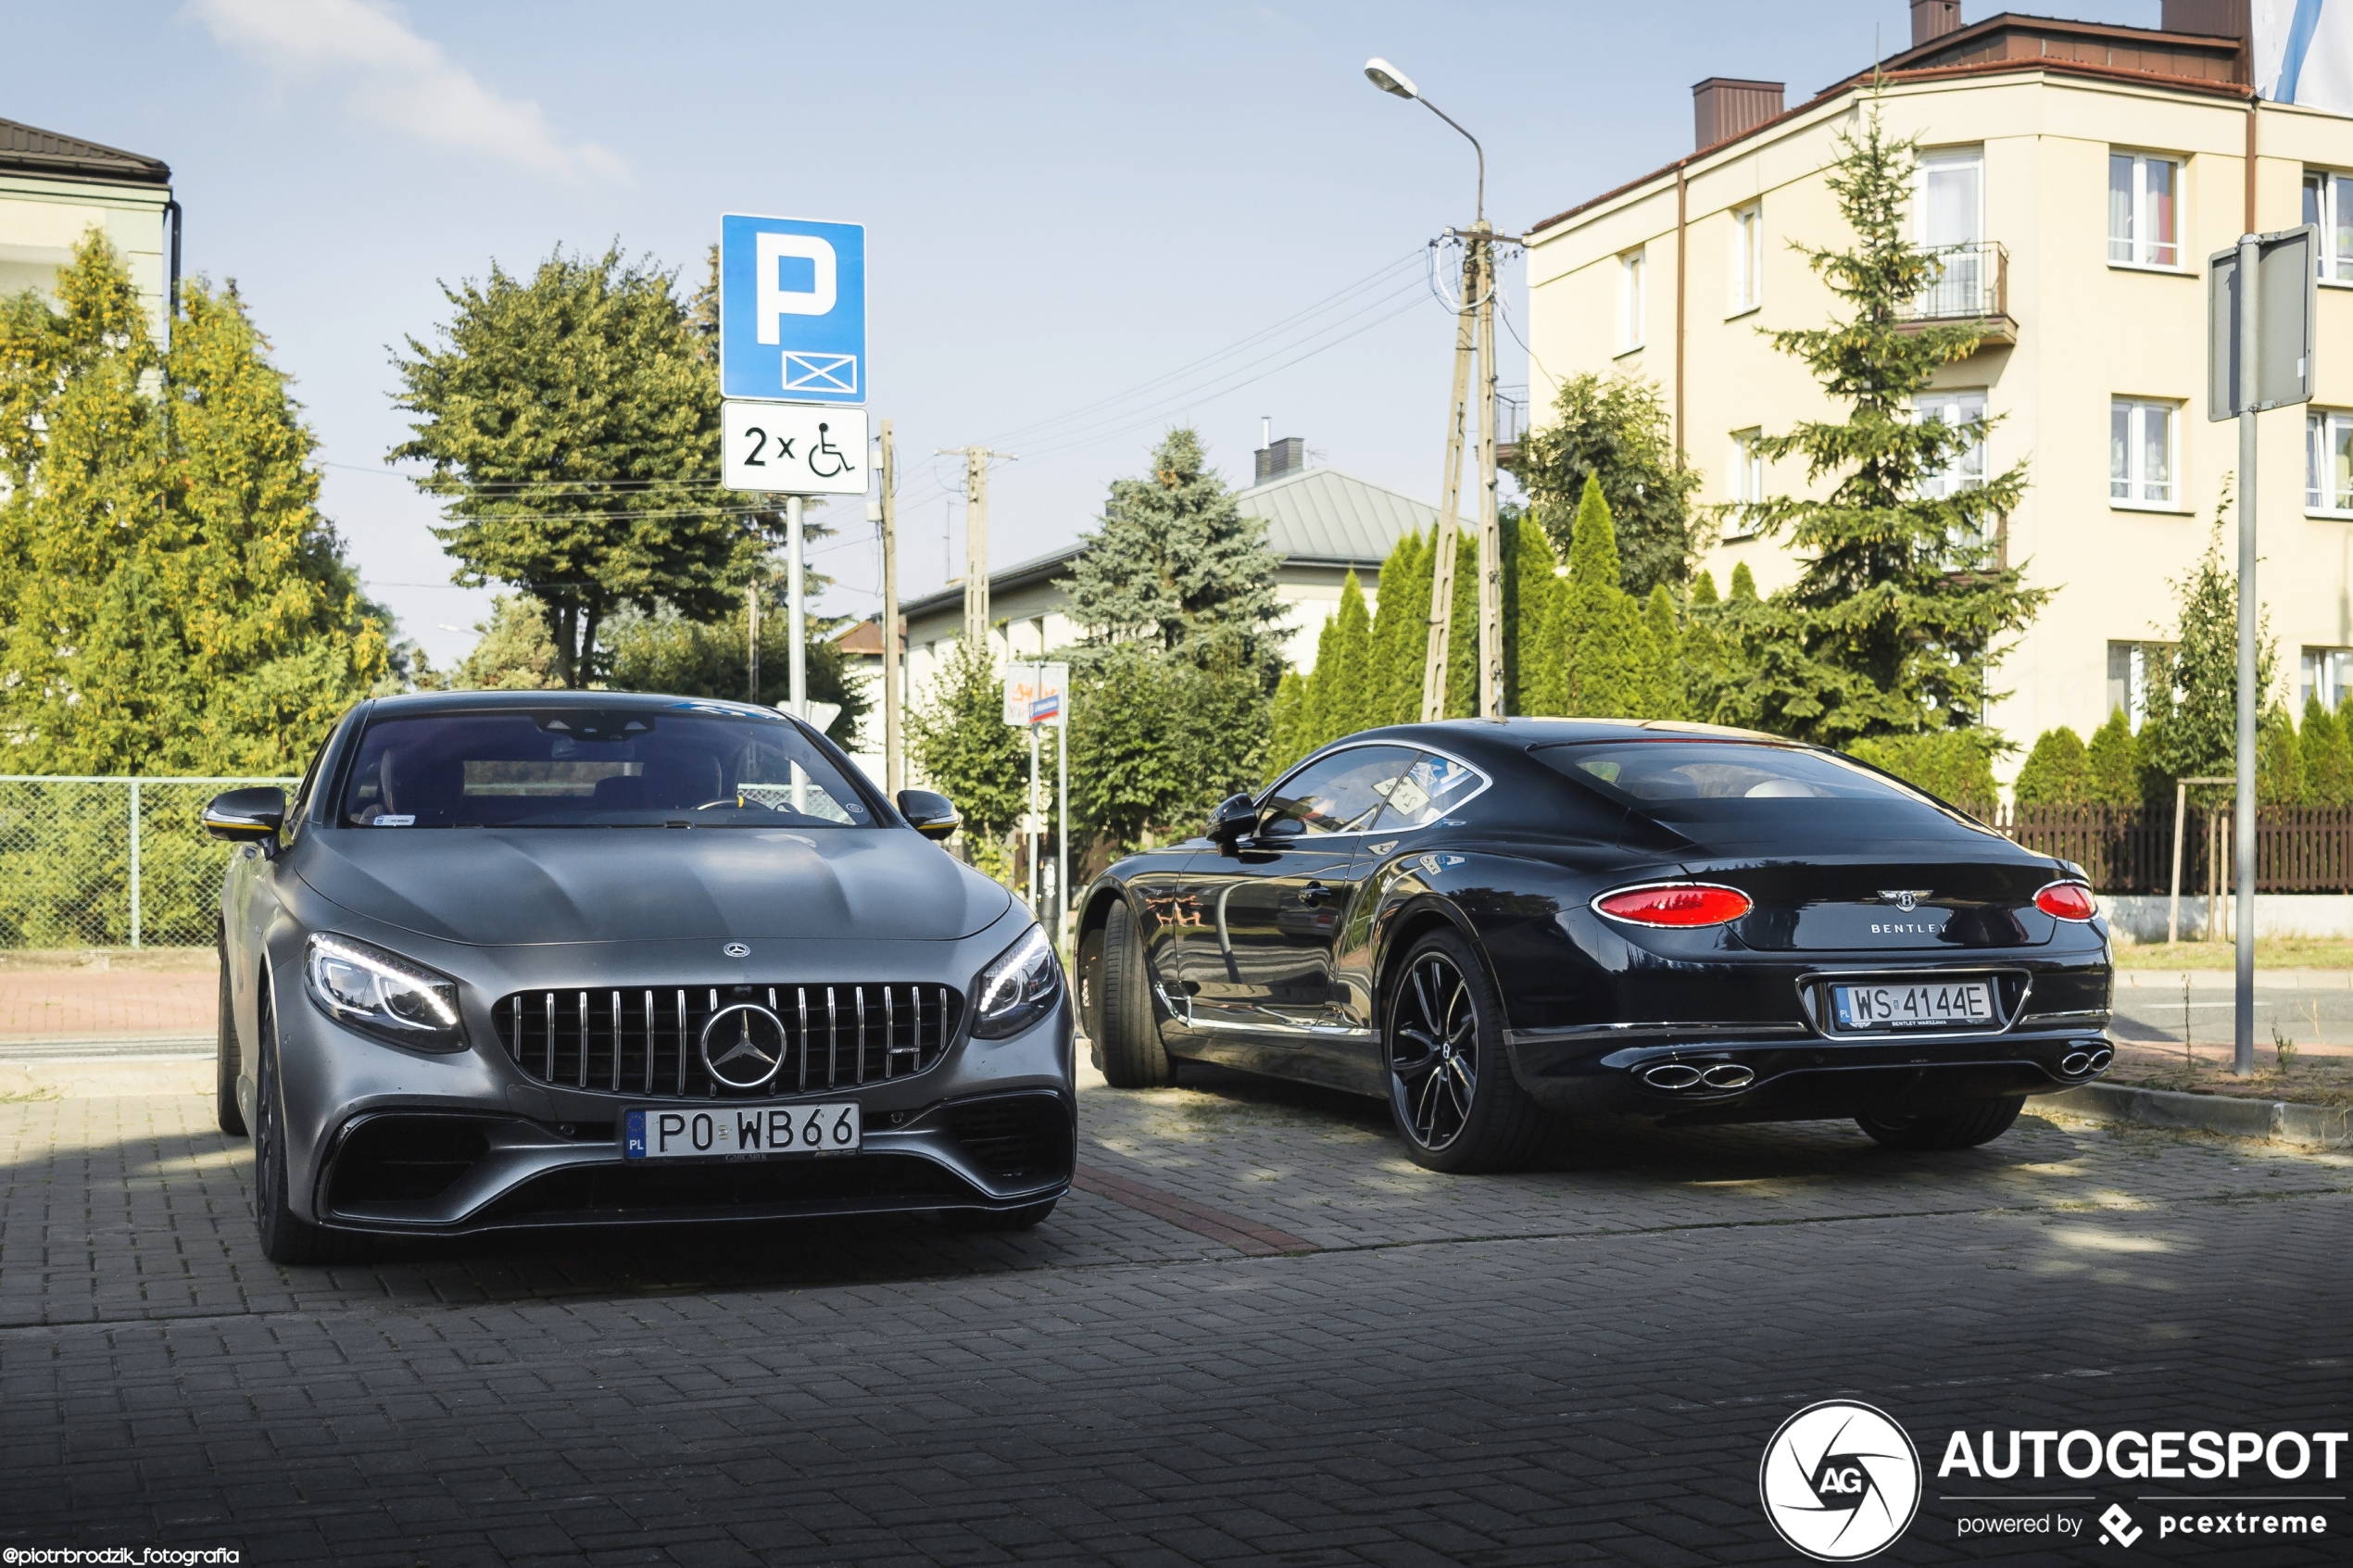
(400, 79)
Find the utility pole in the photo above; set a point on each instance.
(1474, 333)
(894, 773)
(1441, 577)
(1490, 536)
(977, 461)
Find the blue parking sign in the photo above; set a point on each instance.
(792, 309)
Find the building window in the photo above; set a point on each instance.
(2141, 452)
(2143, 210)
(2130, 668)
(2327, 675)
(2328, 202)
(1748, 256)
(1632, 301)
(1966, 469)
(2328, 462)
(1748, 483)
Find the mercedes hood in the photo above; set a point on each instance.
(502, 886)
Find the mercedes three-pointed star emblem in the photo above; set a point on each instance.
(743, 1046)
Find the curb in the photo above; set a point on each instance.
(2269, 1120)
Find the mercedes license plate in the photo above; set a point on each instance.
(741, 1131)
(1947, 1004)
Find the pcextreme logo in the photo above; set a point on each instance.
(1840, 1481)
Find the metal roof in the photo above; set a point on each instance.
(1324, 517)
(28, 149)
(1315, 517)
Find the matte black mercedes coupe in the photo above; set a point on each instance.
(521, 958)
(1482, 921)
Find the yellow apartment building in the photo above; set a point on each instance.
(2074, 178)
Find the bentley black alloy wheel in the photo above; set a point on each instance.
(1132, 1054)
(1451, 1090)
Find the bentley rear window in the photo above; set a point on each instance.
(1648, 773)
(569, 767)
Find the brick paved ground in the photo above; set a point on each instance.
(1583, 1362)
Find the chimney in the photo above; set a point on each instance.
(2216, 19)
(1278, 458)
(1722, 107)
(1932, 19)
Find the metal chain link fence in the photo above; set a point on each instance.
(98, 862)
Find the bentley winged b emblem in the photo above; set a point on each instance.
(1905, 898)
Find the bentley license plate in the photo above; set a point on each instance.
(1950, 1004)
(755, 1131)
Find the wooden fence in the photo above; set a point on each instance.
(2130, 848)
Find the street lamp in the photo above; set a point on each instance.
(1474, 330)
(1389, 79)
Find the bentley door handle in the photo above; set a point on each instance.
(1315, 893)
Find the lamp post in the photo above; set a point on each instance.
(1474, 335)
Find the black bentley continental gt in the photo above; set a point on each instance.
(1483, 920)
(522, 959)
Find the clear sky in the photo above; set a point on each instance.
(1063, 203)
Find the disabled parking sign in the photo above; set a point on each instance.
(792, 309)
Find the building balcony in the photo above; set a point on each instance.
(1971, 287)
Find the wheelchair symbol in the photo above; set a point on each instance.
(826, 451)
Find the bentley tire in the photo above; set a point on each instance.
(1450, 1090)
(225, 1051)
(1133, 1056)
(285, 1237)
(1964, 1127)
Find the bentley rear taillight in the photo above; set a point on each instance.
(1676, 904)
(2068, 900)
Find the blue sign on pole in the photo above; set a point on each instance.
(792, 309)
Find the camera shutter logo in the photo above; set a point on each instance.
(1840, 1481)
(743, 1046)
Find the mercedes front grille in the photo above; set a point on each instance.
(649, 1042)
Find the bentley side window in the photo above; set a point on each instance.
(1432, 786)
(1342, 793)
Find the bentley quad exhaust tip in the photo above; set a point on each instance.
(1672, 1075)
(1728, 1075)
(2101, 1058)
(1684, 1075)
(2076, 1063)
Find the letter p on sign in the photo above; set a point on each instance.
(773, 301)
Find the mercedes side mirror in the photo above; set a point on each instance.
(930, 813)
(246, 816)
(1235, 820)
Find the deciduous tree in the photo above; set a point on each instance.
(1613, 430)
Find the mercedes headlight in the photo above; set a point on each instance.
(1018, 989)
(383, 993)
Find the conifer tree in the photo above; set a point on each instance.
(1668, 699)
(2326, 757)
(1176, 564)
(1400, 631)
(1900, 602)
(171, 598)
(2279, 764)
(2057, 772)
(1338, 690)
(1533, 595)
(1288, 738)
(1609, 668)
(2112, 765)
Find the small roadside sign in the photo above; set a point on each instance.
(1035, 694)
(792, 309)
(2286, 303)
(792, 449)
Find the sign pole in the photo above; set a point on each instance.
(1035, 837)
(893, 772)
(1062, 838)
(2250, 285)
(797, 610)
